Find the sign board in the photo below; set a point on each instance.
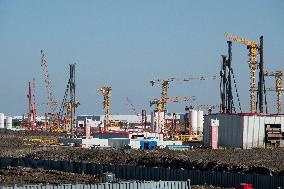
(214, 133)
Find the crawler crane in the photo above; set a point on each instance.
(51, 100)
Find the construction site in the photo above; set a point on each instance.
(141, 95)
(220, 137)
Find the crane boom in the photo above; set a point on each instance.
(51, 100)
(241, 40)
(161, 101)
(165, 86)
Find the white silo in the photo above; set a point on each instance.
(2, 117)
(9, 122)
(200, 122)
(193, 121)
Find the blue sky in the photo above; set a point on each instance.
(126, 43)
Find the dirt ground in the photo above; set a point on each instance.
(254, 161)
(23, 176)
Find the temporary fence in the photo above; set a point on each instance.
(129, 172)
(119, 185)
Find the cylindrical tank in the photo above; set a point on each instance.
(200, 121)
(193, 121)
(2, 117)
(9, 122)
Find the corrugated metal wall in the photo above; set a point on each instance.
(120, 185)
(241, 131)
(129, 172)
(254, 129)
(229, 132)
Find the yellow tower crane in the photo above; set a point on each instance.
(165, 86)
(278, 87)
(160, 123)
(160, 102)
(106, 105)
(253, 48)
(164, 93)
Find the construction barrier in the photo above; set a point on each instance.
(129, 172)
(120, 185)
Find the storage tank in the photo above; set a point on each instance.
(9, 122)
(200, 121)
(2, 117)
(193, 121)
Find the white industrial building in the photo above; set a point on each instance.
(97, 120)
(245, 130)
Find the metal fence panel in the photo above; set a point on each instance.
(149, 173)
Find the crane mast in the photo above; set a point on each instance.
(253, 48)
(32, 116)
(71, 104)
(165, 89)
(226, 82)
(29, 96)
(278, 87)
(34, 105)
(106, 91)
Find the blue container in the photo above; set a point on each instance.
(142, 144)
(152, 144)
(148, 144)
